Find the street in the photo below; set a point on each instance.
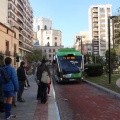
(80, 101)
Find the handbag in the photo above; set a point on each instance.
(45, 77)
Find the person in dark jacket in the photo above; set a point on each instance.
(43, 86)
(21, 78)
(9, 88)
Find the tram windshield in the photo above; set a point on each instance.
(70, 64)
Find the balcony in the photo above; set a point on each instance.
(95, 10)
(21, 18)
(7, 52)
(20, 4)
(95, 16)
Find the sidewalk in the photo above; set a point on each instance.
(32, 109)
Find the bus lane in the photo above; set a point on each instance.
(84, 102)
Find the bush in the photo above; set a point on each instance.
(94, 69)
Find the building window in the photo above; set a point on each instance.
(38, 27)
(48, 44)
(53, 50)
(49, 50)
(44, 50)
(7, 45)
(48, 38)
(55, 43)
(14, 35)
(45, 27)
(49, 55)
(55, 38)
(14, 48)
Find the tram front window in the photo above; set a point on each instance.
(71, 66)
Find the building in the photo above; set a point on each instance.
(83, 39)
(42, 23)
(9, 42)
(98, 27)
(47, 51)
(48, 39)
(45, 34)
(19, 13)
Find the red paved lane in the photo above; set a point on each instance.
(41, 112)
(86, 102)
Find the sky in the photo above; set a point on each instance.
(68, 16)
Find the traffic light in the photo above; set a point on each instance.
(17, 58)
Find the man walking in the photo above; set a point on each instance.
(21, 78)
(9, 88)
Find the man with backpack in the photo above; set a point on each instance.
(9, 86)
(43, 85)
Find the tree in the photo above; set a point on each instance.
(113, 58)
(35, 56)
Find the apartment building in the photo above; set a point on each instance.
(81, 41)
(98, 27)
(19, 13)
(9, 42)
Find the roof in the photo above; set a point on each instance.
(67, 51)
(36, 43)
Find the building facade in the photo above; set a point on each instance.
(19, 13)
(47, 51)
(45, 34)
(81, 41)
(49, 37)
(42, 23)
(9, 42)
(98, 27)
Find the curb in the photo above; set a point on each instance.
(57, 110)
(112, 93)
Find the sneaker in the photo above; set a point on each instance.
(11, 116)
(22, 100)
(14, 104)
(25, 88)
(28, 85)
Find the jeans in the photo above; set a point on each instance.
(43, 92)
(21, 89)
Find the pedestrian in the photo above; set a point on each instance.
(38, 83)
(33, 69)
(21, 78)
(1, 97)
(43, 86)
(26, 81)
(9, 88)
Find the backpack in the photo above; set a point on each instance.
(4, 78)
(45, 77)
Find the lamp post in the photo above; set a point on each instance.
(79, 38)
(109, 62)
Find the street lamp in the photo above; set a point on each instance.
(79, 38)
(109, 18)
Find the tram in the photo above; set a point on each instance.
(69, 65)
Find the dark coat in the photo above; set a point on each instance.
(21, 74)
(40, 69)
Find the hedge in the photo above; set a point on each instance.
(94, 69)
